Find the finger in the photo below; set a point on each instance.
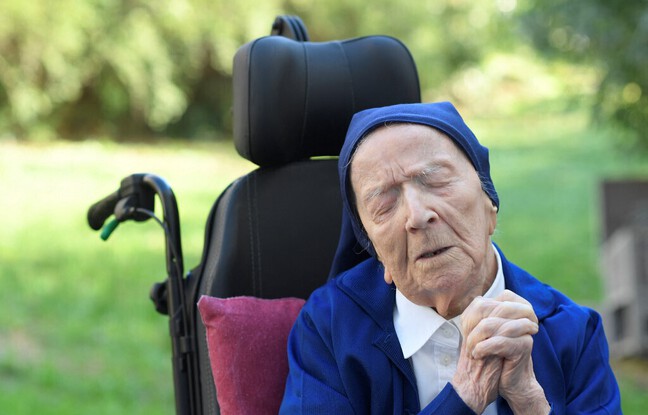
(505, 347)
(508, 295)
(476, 311)
(507, 305)
(514, 310)
(496, 326)
(511, 298)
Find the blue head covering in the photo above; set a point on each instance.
(442, 116)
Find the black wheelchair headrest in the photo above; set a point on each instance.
(294, 100)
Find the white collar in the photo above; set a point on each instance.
(415, 324)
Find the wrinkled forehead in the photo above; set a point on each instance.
(379, 144)
(400, 151)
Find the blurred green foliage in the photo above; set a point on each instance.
(130, 69)
(119, 67)
(613, 36)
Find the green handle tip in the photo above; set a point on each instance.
(108, 229)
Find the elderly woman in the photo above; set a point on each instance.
(437, 320)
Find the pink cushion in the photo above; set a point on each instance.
(247, 339)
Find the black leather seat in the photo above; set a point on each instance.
(273, 232)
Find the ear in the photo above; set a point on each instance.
(490, 210)
(492, 219)
(388, 277)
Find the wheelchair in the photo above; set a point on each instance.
(274, 232)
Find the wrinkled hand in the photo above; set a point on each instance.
(476, 381)
(497, 333)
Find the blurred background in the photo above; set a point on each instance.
(94, 90)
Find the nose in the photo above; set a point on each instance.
(418, 209)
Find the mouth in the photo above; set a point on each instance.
(432, 254)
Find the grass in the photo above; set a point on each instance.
(77, 331)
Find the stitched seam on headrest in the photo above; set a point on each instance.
(248, 99)
(348, 68)
(306, 99)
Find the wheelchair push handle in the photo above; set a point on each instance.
(102, 210)
(135, 200)
(129, 202)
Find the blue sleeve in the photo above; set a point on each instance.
(313, 385)
(447, 402)
(593, 388)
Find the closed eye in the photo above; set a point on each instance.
(433, 177)
(382, 205)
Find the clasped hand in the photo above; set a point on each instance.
(495, 356)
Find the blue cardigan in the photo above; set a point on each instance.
(345, 357)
